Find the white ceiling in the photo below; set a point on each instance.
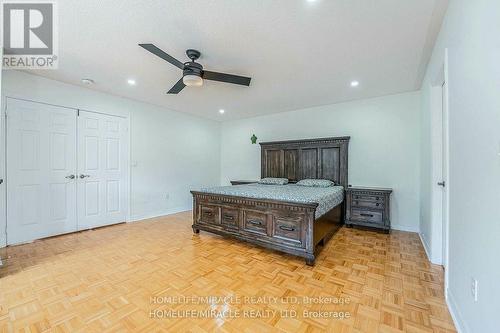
(299, 54)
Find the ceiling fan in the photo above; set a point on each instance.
(192, 72)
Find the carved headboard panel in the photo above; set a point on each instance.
(324, 158)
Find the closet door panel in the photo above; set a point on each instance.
(41, 164)
(103, 170)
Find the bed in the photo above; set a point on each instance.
(289, 218)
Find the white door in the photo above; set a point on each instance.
(444, 171)
(102, 170)
(41, 170)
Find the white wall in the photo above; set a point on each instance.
(174, 152)
(470, 32)
(383, 151)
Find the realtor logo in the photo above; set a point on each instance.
(29, 35)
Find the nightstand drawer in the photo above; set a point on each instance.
(368, 204)
(367, 197)
(369, 216)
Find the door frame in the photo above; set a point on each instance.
(446, 197)
(3, 166)
(441, 137)
(3, 159)
(3, 162)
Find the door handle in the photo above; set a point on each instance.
(443, 184)
(70, 177)
(84, 176)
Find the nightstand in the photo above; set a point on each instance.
(368, 207)
(243, 182)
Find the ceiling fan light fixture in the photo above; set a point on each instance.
(192, 80)
(193, 72)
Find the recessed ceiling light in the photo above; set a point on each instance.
(87, 82)
(354, 83)
(221, 111)
(131, 82)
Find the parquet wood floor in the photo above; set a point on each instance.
(121, 278)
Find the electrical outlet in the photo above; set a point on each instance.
(474, 286)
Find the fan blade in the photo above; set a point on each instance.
(158, 52)
(229, 78)
(177, 87)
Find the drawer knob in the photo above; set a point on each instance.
(254, 222)
(378, 198)
(378, 204)
(228, 217)
(286, 228)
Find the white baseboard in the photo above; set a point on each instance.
(135, 218)
(404, 228)
(3, 236)
(428, 251)
(426, 247)
(455, 313)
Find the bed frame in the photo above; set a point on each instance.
(284, 226)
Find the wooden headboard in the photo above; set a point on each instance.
(324, 158)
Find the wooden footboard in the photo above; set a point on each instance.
(284, 226)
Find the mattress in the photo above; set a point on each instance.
(326, 197)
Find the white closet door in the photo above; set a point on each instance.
(41, 168)
(102, 170)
